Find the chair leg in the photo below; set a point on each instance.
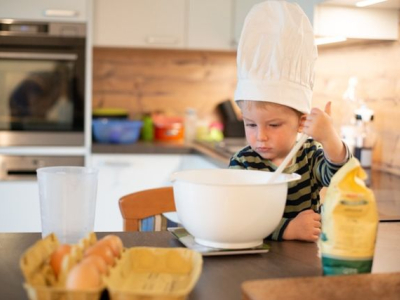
(131, 225)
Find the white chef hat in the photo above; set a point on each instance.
(276, 56)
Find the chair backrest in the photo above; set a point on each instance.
(143, 204)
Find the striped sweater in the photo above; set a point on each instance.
(316, 172)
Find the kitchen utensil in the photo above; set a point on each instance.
(233, 127)
(288, 157)
(228, 208)
(227, 111)
(188, 240)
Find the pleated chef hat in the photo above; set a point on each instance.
(276, 56)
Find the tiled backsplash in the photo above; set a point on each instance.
(147, 80)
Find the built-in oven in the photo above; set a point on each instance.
(42, 83)
(23, 167)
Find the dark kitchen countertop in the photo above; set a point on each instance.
(142, 147)
(386, 186)
(208, 150)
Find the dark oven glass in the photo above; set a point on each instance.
(42, 79)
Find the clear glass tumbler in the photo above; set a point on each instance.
(67, 201)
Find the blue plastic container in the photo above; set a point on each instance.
(116, 131)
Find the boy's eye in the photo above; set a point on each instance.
(274, 125)
(250, 125)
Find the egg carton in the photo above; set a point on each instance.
(40, 280)
(144, 273)
(148, 273)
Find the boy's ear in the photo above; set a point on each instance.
(302, 119)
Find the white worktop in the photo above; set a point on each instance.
(387, 249)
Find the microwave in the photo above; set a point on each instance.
(42, 83)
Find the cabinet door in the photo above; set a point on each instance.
(356, 22)
(193, 162)
(241, 9)
(45, 10)
(209, 24)
(20, 206)
(139, 23)
(122, 174)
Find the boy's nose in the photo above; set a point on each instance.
(262, 135)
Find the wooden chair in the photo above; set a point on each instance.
(143, 204)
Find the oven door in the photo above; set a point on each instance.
(42, 91)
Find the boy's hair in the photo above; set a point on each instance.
(263, 105)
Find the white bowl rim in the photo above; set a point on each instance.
(289, 177)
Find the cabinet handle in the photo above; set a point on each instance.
(119, 164)
(161, 40)
(32, 55)
(61, 13)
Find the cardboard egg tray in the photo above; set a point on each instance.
(40, 281)
(140, 273)
(154, 273)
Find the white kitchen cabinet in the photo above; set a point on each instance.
(45, 10)
(121, 174)
(118, 175)
(242, 8)
(356, 23)
(209, 25)
(20, 206)
(139, 23)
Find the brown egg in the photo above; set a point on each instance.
(103, 251)
(83, 276)
(98, 262)
(114, 242)
(57, 257)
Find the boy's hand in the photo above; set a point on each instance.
(318, 124)
(306, 226)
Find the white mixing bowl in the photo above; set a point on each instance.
(228, 208)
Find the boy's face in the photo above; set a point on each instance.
(271, 130)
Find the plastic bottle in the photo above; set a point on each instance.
(350, 103)
(365, 141)
(190, 124)
(148, 128)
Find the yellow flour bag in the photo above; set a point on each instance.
(349, 223)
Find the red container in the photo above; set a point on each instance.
(168, 128)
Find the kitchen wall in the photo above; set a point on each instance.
(171, 80)
(377, 69)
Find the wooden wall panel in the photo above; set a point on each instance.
(170, 80)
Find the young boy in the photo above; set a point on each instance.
(276, 56)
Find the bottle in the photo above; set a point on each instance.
(190, 125)
(365, 140)
(148, 128)
(348, 129)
